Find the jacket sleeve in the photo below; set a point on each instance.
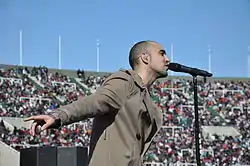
(108, 98)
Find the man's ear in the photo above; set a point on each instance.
(145, 58)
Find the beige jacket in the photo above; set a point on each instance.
(125, 120)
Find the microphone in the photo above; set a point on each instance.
(193, 71)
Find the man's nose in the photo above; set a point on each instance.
(167, 59)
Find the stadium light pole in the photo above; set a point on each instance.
(209, 59)
(97, 55)
(248, 61)
(172, 55)
(172, 73)
(59, 53)
(21, 47)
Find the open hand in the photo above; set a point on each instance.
(45, 121)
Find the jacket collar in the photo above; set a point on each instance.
(135, 76)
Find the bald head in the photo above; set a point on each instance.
(136, 50)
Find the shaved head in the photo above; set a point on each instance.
(136, 50)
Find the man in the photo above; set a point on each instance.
(125, 117)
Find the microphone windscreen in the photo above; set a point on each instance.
(173, 66)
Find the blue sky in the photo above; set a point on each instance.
(191, 25)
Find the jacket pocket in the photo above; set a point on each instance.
(135, 151)
(135, 162)
(135, 159)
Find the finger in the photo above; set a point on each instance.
(33, 128)
(47, 125)
(28, 119)
(38, 117)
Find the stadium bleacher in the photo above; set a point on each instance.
(223, 108)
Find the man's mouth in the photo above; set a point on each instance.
(166, 65)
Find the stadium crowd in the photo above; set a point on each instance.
(221, 103)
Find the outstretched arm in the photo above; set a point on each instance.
(108, 98)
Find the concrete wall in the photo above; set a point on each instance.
(8, 155)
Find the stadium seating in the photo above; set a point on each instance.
(223, 111)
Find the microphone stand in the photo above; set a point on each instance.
(196, 123)
(194, 72)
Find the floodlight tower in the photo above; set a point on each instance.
(209, 59)
(248, 61)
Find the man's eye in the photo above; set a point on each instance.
(162, 52)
